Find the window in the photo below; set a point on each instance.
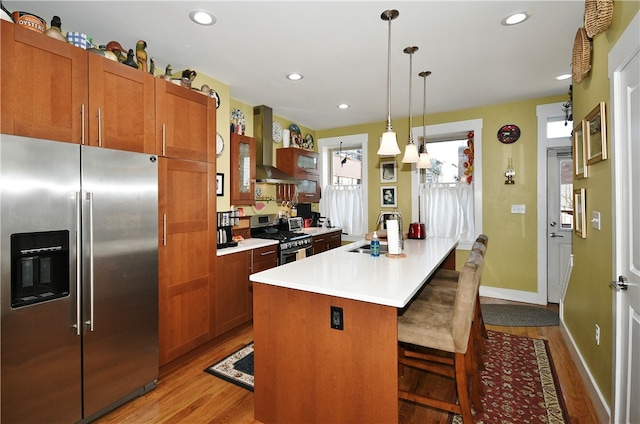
(344, 181)
(346, 166)
(447, 186)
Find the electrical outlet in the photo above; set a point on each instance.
(597, 334)
(337, 318)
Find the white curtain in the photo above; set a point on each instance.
(343, 206)
(447, 210)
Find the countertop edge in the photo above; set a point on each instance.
(246, 244)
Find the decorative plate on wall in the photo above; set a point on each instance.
(276, 132)
(296, 136)
(508, 134)
(219, 144)
(307, 142)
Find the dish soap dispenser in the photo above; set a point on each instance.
(374, 247)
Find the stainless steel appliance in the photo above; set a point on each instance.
(294, 244)
(78, 279)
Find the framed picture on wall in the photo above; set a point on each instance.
(579, 152)
(220, 184)
(579, 213)
(388, 172)
(389, 196)
(596, 132)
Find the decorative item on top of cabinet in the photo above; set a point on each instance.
(243, 169)
(186, 123)
(303, 165)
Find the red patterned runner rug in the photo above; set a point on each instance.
(520, 383)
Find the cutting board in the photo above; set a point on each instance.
(382, 235)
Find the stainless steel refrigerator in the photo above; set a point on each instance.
(79, 279)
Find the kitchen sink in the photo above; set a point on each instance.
(384, 248)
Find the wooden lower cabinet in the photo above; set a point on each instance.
(234, 291)
(186, 254)
(327, 241)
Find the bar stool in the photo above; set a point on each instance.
(444, 323)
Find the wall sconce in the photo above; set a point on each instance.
(510, 173)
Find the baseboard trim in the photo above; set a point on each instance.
(513, 295)
(598, 401)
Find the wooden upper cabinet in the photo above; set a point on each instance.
(44, 85)
(303, 165)
(121, 106)
(185, 123)
(242, 169)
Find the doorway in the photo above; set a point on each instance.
(559, 220)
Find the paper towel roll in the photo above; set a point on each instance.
(393, 237)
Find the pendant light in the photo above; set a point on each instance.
(388, 141)
(411, 151)
(425, 159)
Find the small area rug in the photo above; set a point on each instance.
(520, 383)
(236, 368)
(518, 315)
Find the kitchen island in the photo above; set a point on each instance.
(325, 332)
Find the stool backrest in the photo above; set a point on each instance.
(465, 300)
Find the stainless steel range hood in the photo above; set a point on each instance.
(262, 132)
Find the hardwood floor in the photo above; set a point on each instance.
(186, 394)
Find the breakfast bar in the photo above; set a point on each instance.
(325, 332)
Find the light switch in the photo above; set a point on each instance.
(595, 220)
(518, 208)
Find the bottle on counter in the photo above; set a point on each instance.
(374, 246)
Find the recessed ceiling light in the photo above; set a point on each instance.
(294, 76)
(515, 18)
(202, 17)
(343, 106)
(563, 77)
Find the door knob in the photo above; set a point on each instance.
(554, 235)
(553, 223)
(621, 284)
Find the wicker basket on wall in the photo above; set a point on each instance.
(581, 63)
(597, 16)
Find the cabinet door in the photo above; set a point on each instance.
(243, 169)
(185, 123)
(121, 106)
(335, 239)
(320, 243)
(44, 85)
(186, 227)
(232, 291)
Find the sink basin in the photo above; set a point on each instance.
(384, 248)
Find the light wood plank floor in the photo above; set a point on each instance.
(186, 394)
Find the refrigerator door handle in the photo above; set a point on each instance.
(82, 125)
(77, 325)
(89, 323)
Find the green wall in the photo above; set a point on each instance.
(589, 299)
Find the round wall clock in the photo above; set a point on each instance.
(219, 144)
(508, 134)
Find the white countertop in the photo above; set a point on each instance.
(247, 244)
(316, 231)
(358, 276)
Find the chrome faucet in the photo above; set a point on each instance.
(398, 216)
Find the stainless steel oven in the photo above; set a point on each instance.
(295, 250)
(293, 243)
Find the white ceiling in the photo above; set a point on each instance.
(341, 49)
